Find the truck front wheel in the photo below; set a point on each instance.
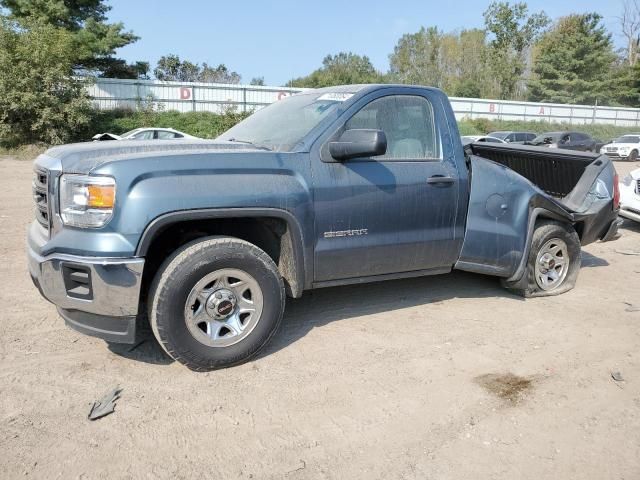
(553, 264)
(216, 302)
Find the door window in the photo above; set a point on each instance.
(408, 123)
(165, 135)
(146, 135)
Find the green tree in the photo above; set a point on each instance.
(40, 99)
(574, 62)
(219, 74)
(454, 62)
(418, 58)
(341, 69)
(513, 31)
(171, 68)
(94, 39)
(257, 81)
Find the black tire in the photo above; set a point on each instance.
(633, 156)
(547, 231)
(182, 271)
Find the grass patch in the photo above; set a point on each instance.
(23, 152)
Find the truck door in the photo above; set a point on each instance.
(393, 213)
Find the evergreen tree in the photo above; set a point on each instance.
(95, 40)
(574, 63)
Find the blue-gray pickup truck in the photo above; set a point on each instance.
(205, 239)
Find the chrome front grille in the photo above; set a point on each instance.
(40, 188)
(638, 186)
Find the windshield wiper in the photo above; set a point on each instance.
(262, 147)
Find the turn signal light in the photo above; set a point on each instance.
(101, 196)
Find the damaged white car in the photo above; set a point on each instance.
(144, 134)
(630, 196)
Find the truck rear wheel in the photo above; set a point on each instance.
(553, 264)
(216, 302)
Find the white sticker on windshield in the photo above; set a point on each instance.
(335, 96)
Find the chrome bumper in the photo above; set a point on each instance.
(629, 213)
(108, 304)
(115, 283)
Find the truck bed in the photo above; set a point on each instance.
(563, 174)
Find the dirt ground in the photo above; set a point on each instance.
(437, 377)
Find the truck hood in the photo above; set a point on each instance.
(84, 157)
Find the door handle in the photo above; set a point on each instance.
(440, 180)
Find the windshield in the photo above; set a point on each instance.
(627, 139)
(550, 137)
(130, 132)
(283, 124)
(500, 135)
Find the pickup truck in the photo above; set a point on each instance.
(205, 239)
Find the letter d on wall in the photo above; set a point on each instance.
(185, 93)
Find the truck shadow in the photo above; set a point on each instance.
(589, 260)
(320, 307)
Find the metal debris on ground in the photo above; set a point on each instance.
(105, 405)
(627, 252)
(617, 376)
(632, 307)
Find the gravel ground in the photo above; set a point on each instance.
(437, 377)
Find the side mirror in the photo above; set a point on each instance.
(358, 143)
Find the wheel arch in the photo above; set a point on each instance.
(537, 216)
(275, 231)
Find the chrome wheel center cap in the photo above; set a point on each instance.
(221, 304)
(547, 261)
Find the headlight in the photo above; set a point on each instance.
(553, 145)
(626, 181)
(87, 201)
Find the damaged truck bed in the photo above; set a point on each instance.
(570, 187)
(350, 184)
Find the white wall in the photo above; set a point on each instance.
(113, 93)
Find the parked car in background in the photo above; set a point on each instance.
(144, 134)
(567, 140)
(625, 147)
(467, 139)
(514, 137)
(630, 196)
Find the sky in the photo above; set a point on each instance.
(284, 39)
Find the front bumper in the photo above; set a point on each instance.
(96, 296)
(630, 213)
(616, 156)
